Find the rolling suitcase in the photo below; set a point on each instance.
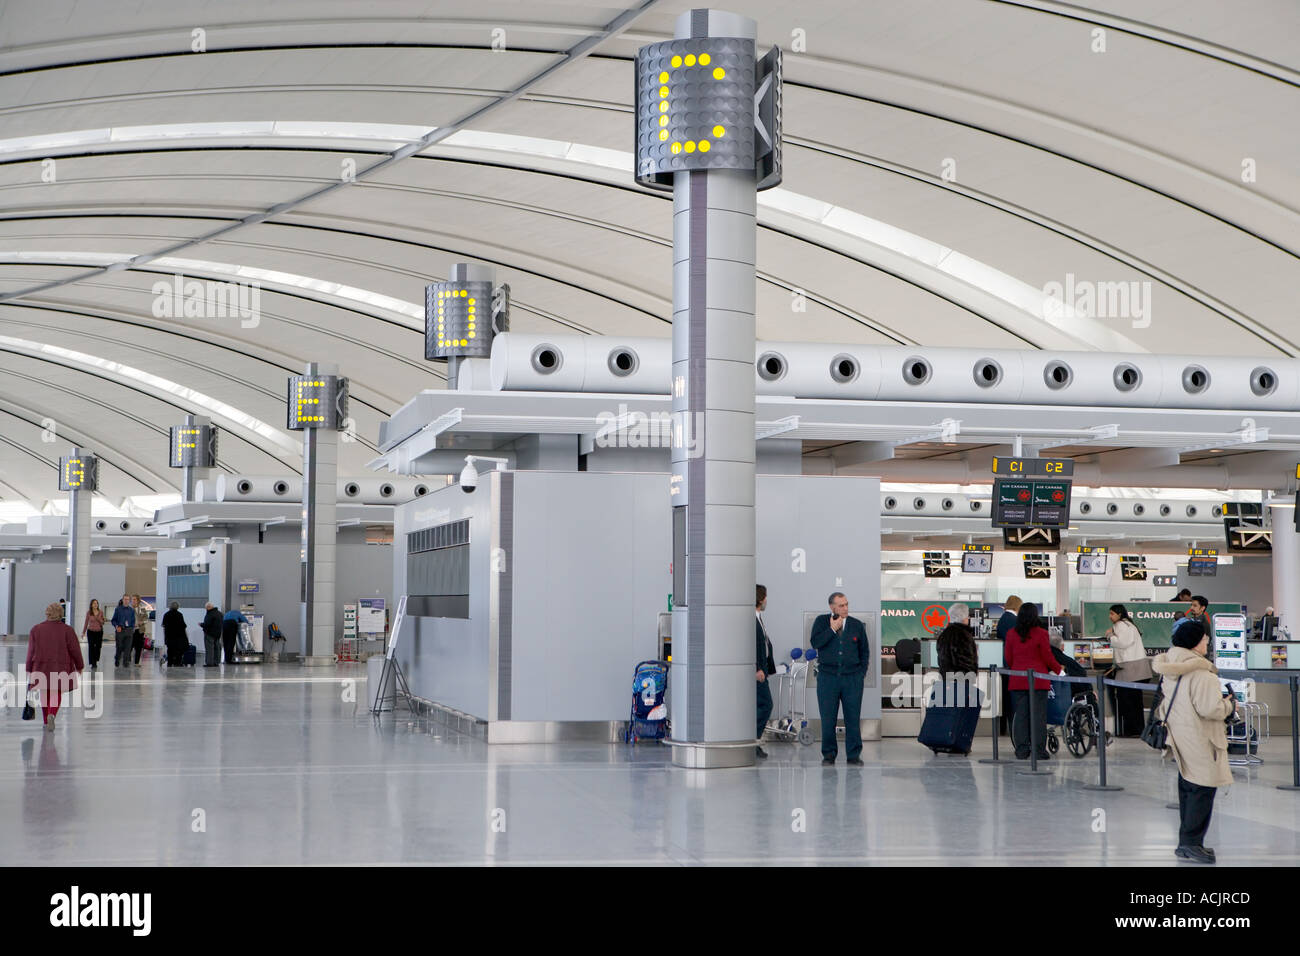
(950, 720)
(189, 656)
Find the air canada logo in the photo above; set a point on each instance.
(935, 618)
(1022, 495)
(1058, 496)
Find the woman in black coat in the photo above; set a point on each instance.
(175, 636)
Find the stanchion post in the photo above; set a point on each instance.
(1294, 681)
(1033, 770)
(1101, 738)
(994, 683)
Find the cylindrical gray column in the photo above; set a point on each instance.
(1286, 565)
(714, 229)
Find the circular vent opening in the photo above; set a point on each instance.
(948, 504)
(1127, 377)
(1191, 511)
(1263, 381)
(352, 489)
(1218, 511)
(546, 359)
(386, 490)
(1196, 379)
(918, 504)
(1139, 509)
(101, 525)
(244, 486)
(623, 362)
(1085, 508)
(421, 490)
(1057, 375)
(771, 366)
(1112, 508)
(891, 504)
(916, 371)
(976, 506)
(844, 369)
(281, 488)
(124, 525)
(987, 373)
(148, 524)
(1165, 511)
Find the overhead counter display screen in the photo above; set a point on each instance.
(1031, 492)
(1091, 560)
(1202, 562)
(977, 559)
(317, 401)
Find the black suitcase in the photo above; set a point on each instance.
(949, 730)
(191, 654)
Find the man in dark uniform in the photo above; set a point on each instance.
(843, 656)
(766, 667)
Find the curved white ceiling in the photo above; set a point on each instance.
(945, 161)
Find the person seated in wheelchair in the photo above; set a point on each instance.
(1077, 716)
(1072, 668)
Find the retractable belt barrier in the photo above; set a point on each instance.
(1100, 683)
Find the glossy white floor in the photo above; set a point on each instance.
(282, 765)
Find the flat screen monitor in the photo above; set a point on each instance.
(1092, 564)
(977, 562)
(1061, 621)
(993, 611)
(1202, 567)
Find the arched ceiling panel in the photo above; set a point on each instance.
(1122, 165)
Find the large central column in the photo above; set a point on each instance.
(713, 403)
(708, 127)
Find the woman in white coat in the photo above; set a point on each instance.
(1131, 665)
(1194, 709)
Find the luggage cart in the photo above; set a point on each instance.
(1244, 735)
(792, 692)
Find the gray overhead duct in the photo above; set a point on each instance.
(360, 491)
(588, 363)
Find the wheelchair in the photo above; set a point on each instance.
(1079, 723)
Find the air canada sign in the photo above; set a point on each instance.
(931, 618)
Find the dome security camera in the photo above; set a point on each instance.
(469, 475)
(468, 478)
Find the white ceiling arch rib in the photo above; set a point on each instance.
(1150, 31)
(989, 293)
(270, 438)
(174, 356)
(69, 433)
(515, 263)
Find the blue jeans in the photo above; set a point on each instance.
(833, 692)
(764, 696)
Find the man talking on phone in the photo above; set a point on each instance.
(842, 655)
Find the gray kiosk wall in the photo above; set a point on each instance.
(26, 589)
(363, 571)
(564, 576)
